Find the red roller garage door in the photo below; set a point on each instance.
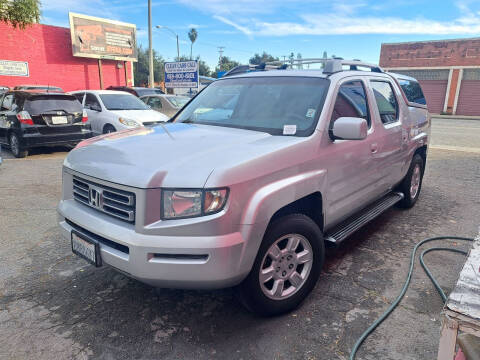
(434, 91)
(469, 98)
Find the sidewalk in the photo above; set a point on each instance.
(455, 117)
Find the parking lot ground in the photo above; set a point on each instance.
(54, 305)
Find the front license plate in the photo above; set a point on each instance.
(86, 249)
(59, 120)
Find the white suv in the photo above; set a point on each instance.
(109, 111)
(250, 181)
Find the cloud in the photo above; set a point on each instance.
(333, 18)
(332, 24)
(222, 7)
(240, 28)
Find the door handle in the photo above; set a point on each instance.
(374, 148)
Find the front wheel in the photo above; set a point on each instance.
(412, 183)
(108, 128)
(286, 268)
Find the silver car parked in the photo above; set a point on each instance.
(165, 104)
(109, 110)
(250, 181)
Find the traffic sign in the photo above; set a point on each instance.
(181, 74)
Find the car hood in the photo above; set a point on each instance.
(141, 116)
(172, 155)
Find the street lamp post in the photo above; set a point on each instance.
(174, 33)
(151, 79)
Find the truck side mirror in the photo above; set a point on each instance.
(349, 128)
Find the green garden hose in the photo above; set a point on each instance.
(392, 307)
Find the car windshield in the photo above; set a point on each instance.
(178, 101)
(122, 102)
(41, 104)
(276, 105)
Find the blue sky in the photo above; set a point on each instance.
(351, 29)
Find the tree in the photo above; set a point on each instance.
(325, 57)
(140, 68)
(291, 58)
(257, 59)
(192, 35)
(203, 68)
(20, 12)
(299, 57)
(226, 64)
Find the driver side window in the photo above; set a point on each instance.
(351, 102)
(91, 102)
(155, 103)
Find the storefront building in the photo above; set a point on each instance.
(448, 70)
(42, 55)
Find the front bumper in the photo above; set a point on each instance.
(187, 262)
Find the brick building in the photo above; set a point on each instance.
(448, 70)
(47, 50)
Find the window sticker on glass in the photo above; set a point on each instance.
(289, 129)
(310, 113)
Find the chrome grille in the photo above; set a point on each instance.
(114, 202)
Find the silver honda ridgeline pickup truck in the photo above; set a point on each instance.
(249, 181)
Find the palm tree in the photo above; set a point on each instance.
(192, 35)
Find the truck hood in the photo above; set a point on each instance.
(172, 155)
(141, 115)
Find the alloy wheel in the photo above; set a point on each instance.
(415, 181)
(286, 266)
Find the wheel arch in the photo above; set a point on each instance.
(310, 205)
(422, 151)
(106, 125)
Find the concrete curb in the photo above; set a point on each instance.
(455, 117)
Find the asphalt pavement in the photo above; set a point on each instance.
(54, 305)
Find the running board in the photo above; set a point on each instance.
(346, 228)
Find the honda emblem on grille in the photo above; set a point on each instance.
(94, 197)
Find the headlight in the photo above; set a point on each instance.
(128, 122)
(177, 204)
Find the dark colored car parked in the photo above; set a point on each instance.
(137, 91)
(30, 119)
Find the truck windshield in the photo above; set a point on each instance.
(276, 105)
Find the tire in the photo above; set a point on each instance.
(259, 296)
(108, 128)
(17, 150)
(412, 183)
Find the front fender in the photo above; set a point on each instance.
(270, 198)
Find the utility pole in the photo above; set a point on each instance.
(284, 57)
(220, 52)
(151, 79)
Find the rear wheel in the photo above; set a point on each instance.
(412, 183)
(286, 268)
(17, 150)
(107, 129)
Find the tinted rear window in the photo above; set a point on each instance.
(412, 91)
(47, 103)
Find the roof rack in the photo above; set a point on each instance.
(331, 65)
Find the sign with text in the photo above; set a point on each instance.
(102, 38)
(181, 74)
(14, 68)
